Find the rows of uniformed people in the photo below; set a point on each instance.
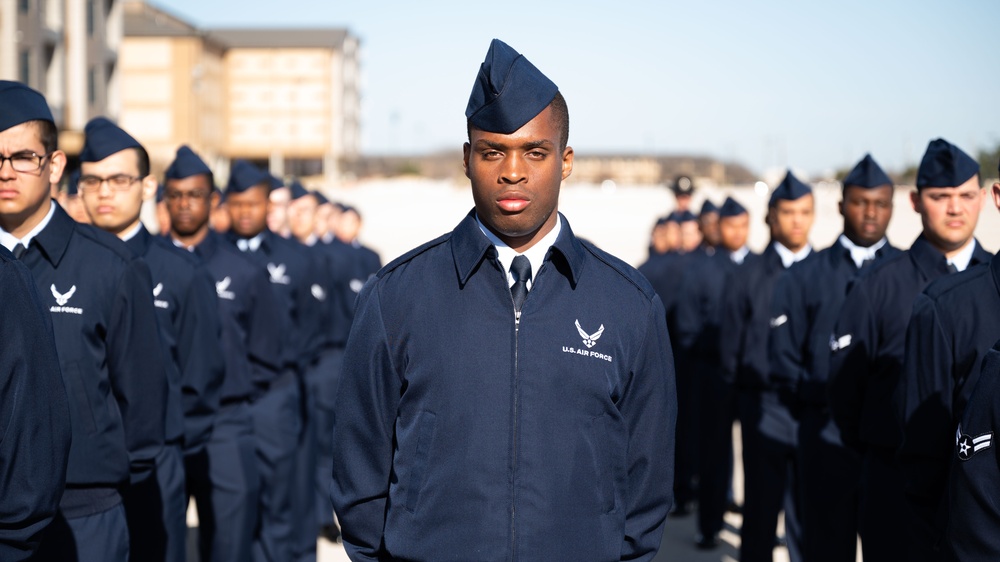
(849, 369)
(143, 370)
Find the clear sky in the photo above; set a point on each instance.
(769, 83)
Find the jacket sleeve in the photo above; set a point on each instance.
(732, 330)
(851, 363)
(200, 357)
(363, 431)
(689, 312)
(265, 332)
(926, 391)
(789, 334)
(649, 407)
(135, 364)
(34, 417)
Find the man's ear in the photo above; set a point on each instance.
(57, 165)
(466, 152)
(149, 187)
(567, 162)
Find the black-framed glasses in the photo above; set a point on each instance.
(24, 162)
(117, 182)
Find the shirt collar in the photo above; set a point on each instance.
(9, 241)
(250, 244)
(860, 254)
(739, 255)
(964, 256)
(130, 233)
(789, 257)
(535, 254)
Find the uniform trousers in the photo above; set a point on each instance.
(883, 505)
(100, 537)
(224, 481)
(304, 494)
(277, 426)
(156, 509)
(687, 433)
(715, 447)
(830, 477)
(769, 470)
(322, 380)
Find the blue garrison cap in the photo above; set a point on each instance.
(245, 175)
(509, 91)
(186, 164)
(790, 189)
(20, 104)
(708, 207)
(161, 191)
(681, 217)
(298, 191)
(662, 220)
(945, 165)
(320, 198)
(276, 182)
(102, 138)
(867, 174)
(73, 185)
(731, 208)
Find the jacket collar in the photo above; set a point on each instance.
(139, 244)
(469, 246)
(932, 263)
(54, 238)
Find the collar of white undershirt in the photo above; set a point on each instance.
(130, 233)
(739, 255)
(860, 254)
(789, 257)
(964, 256)
(535, 254)
(7, 240)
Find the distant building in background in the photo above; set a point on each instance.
(67, 49)
(287, 99)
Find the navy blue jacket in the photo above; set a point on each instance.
(100, 299)
(346, 282)
(462, 434)
(34, 415)
(973, 532)
(869, 342)
(699, 305)
(184, 297)
(954, 324)
(804, 311)
(248, 314)
(295, 278)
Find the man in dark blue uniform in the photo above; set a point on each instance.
(953, 324)
(698, 318)
(973, 533)
(708, 223)
(224, 479)
(486, 414)
(348, 229)
(869, 340)
(104, 324)
(36, 427)
(115, 181)
(805, 308)
(768, 427)
(278, 416)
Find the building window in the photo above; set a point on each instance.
(92, 86)
(24, 67)
(90, 17)
(23, 6)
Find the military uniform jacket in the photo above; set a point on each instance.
(463, 434)
(99, 297)
(248, 315)
(34, 415)
(184, 297)
(345, 284)
(974, 485)
(954, 324)
(295, 279)
(805, 307)
(699, 308)
(868, 343)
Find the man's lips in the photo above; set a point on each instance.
(512, 203)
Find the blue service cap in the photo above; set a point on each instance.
(102, 138)
(945, 165)
(161, 191)
(731, 208)
(681, 217)
(186, 164)
(509, 91)
(245, 175)
(73, 184)
(320, 198)
(790, 189)
(683, 185)
(298, 191)
(867, 174)
(20, 104)
(276, 182)
(708, 207)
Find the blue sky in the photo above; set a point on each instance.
(769, 83)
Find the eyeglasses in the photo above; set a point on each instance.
(24, 162)
(117, 182)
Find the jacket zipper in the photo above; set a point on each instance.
(513, 502)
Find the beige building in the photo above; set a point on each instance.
(66, 49)
(285, 99)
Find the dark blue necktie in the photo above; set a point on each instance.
(952, 268)
(18, 250)
(521, 268)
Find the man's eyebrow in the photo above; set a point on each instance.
(526, 145)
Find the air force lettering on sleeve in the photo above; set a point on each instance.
(779, 321)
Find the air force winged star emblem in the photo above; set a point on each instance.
(62, 298)
(222, 289)
(278, 274)
(589, 340)
(837, 344)
(775, 322)
(157, 289)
